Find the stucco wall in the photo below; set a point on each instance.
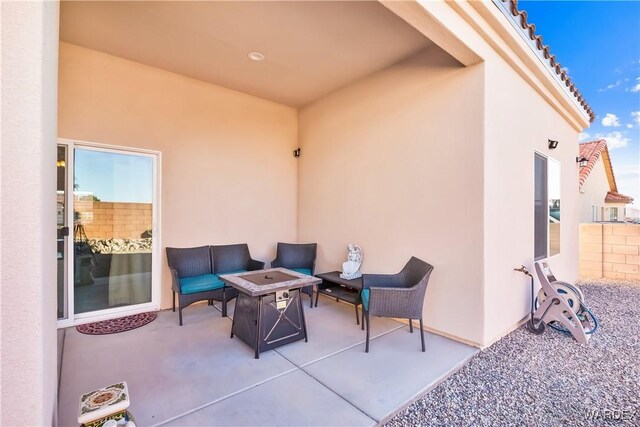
(393, 163)
(27, 231)
(521, 122)
(228, 173)
(594, 189)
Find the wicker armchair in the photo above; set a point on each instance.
(193, 279)
(396, 295)
(300, 258)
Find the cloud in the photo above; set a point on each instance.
(611, 86)
(629, 126)
(610, 120)
(583, 136)
(614, 140)
(635, 88)
(636, 116)
(627, 170)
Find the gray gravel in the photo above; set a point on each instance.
(510, 384)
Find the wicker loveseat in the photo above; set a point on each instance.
(195, 271)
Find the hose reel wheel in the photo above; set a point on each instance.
(536, 326)
(572, 295)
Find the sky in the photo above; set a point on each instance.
(124, 178)
(599, 43)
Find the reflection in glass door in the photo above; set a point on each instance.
(63, 231)
(113, 203)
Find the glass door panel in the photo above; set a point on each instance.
(113, 220)
(63, 232)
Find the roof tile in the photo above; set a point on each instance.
(530, 31)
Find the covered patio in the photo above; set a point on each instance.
(197, 375)
(327, 123)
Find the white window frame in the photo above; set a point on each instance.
(548, 251)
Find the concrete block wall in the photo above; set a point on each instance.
(106, 220)
(610, 251)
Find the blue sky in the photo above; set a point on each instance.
(599, 43)
(113, 177)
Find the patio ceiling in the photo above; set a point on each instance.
(310, 48)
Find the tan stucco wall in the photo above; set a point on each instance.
(523, 108)
(520, 123)
(228, 173)
(393, 163)
(595, 190)
(27, 229)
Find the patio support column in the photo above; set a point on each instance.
(28, 117)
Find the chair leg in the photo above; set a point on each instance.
(317, 295)
(174, 301)
(411, 325)
(368, 321)
(357, 316)
(224, 303)
(310, 297)
(422, 335)
(362, 320)
(180, 315)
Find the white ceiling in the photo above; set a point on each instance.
(311, 48)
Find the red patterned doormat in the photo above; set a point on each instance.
(114, 326)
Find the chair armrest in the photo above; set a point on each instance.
(381, 281)
(255, 265)
(175, 281)
(397, 302)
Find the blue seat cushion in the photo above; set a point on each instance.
(306, 271)
(202, 283)
(365, 298)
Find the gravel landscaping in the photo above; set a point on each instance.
(550, 379)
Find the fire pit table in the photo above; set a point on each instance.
(269, 311)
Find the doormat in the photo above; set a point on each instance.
(114, 326)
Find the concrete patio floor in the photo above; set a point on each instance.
(196, 375)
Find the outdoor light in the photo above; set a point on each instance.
(256, 56)
(582, 160)
(552, 144)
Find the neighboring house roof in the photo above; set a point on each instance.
(592, 151)
(530, 31)
(617, 198)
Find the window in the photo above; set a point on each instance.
(613, 214)
(547, 207)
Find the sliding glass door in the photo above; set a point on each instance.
(113, 266)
